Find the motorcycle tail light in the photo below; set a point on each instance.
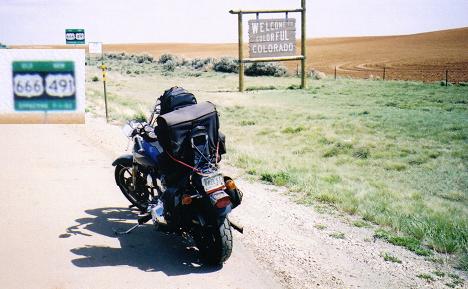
(222, 203)
(186, 200)
(230, 185)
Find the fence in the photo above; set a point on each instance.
(447, 75)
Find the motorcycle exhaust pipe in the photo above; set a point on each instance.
(237, 227)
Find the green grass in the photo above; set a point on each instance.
(320, 226)
(361, 224)
(426, 277)
(337, 235)
(394, 153)
(455, 281)
(408, 242)
(390, 258)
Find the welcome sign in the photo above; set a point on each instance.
(272, 37)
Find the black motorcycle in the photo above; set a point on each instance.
(173, 177)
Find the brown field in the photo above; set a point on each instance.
(423, 56)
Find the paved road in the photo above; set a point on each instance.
(58, 206)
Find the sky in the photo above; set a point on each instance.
(208, 21)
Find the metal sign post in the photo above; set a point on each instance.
(104, 68)
(272, 41)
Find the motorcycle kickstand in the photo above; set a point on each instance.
(142, 220)
(118, 233)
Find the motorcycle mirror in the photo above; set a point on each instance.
(127, 130)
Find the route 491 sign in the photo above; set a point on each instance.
(75, 36)
(44, 85)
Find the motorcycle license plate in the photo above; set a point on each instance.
(213, 182)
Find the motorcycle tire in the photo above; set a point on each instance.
(215, 244)
(138, 197)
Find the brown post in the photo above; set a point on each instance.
(303, 44)
(335, 72)
(446, 77)
(384, 68)
(241, 53)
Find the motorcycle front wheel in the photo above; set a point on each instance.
(215, 244)
(139, 196)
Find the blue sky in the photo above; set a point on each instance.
(125, 21)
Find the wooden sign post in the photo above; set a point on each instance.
(272, 39)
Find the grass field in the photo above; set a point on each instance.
(394, 153)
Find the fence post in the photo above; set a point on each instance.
(446, 77)
(335, 72)
(384, 72)
(241, 53)
(303, 44)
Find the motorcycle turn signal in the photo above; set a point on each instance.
(230, 185)
(186, 199)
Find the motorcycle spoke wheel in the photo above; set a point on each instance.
(139, 196)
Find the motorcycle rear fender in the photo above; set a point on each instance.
(124, 160)
(209, 215)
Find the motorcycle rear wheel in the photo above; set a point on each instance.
(138, 197)
(215, 244)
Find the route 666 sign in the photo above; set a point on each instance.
(44, 85)
(75, 36)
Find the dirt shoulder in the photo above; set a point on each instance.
(305, 248)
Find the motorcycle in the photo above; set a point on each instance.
(199, 203)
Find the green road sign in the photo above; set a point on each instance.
(44, 85)
(75, 36)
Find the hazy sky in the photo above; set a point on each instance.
(120, 21)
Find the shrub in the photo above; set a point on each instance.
(198, 63)
(169, 65)
(144, 58)
(95, 78)
(227, 65)
(265, 69)
(317, 75)
(166, 57)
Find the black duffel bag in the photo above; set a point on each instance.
(175, 98)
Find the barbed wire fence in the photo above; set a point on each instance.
(445, 76)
